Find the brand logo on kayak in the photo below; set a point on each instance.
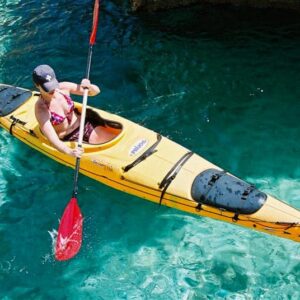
(137, 147)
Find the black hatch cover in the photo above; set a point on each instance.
(11, 98)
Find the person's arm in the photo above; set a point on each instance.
(48, 130)
(78, 89)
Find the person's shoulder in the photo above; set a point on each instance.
(40, 106)
(39, 103)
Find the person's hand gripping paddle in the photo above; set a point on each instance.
(69, 237)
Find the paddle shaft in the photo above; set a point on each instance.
(86, 91)
(82, 122)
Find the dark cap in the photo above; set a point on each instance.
(44, 76)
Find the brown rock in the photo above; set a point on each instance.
(152, 5)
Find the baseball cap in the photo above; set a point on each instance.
(44, 76)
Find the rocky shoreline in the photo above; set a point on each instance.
(153, 5)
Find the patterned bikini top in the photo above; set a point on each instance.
(57, 119)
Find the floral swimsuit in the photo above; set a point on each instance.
(57, 119)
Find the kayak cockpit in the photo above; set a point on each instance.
(110, 131)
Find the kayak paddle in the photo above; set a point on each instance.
(69, 237)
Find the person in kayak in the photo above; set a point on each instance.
(56, 115)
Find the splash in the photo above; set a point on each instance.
(53, 234)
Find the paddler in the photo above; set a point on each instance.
(57, 116)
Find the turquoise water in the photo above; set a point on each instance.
(222, 81)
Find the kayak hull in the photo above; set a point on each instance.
(140, 162)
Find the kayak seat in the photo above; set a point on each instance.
(96, 119)
(219, 189)
(110, 129)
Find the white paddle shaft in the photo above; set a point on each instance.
(82, 118)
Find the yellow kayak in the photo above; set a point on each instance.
(143, 163)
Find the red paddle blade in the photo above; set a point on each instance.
(69, 235)
(95, 22)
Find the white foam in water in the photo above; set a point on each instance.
(53, 234)
(169, 95)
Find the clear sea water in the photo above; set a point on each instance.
(221, 80)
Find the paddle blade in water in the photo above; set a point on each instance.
(69, 235)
